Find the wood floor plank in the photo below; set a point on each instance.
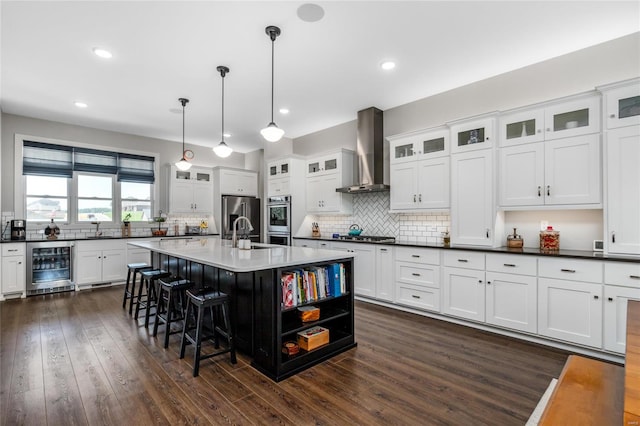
(79, 358)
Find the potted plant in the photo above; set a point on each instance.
(126, 231)
(159, 220)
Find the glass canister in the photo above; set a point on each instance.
(549, 240)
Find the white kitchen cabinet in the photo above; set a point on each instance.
(622, 208)
(464, 293)
(324, 175)
(317, 244)
(578, 115)
(472, 198)
(621, 103)
(278, 187)
(521, 126)
(417, 278)
(191, 191)
(384, 273)
(279, 168)
(14, 269)
(138, 255)
(622, 282)
(415, 146)
(422, 184)
(473, 133)
(100, 262)
(364, 273)
(236, 181)
(570, 300)
(558, 172)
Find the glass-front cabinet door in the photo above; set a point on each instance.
(324, 165)
(572, 118)
(429, 143)
(622, 105)
(522, 127)
(279, 169)
(473, 134)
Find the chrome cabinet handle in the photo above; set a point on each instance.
(415, 274)
(634, 277)
(415, 255)
(487, 232)
(548, 190)
(539, 191)
(13, 249)
(511, 265)
(568, 270)
(463, 260)
(613, 237)
(383, 249)
(415, 297)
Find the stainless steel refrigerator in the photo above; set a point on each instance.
(232, 208)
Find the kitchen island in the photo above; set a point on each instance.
(252, 278)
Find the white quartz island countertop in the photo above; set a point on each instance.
(220, 254)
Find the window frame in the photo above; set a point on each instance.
(20, 196)
(115, 197)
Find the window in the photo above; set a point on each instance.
(76, 185)
(47, 198)
(136, 201)
(95, 198)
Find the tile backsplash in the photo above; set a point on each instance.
(371, 212)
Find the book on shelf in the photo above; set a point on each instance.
(312, 283)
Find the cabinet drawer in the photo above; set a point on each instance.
(624, 274)
(464, 259)
(418, 255)
(422, 276)
(13, 249)
(512, 264)
(423, 298)
(570, 269)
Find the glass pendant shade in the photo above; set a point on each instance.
(272, 133)
(183, 164)
(223, 150)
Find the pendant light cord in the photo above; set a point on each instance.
(272, 80)
(223, 107)
(183, 131)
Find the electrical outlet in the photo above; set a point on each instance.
(543, 225)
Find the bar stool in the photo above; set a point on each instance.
(170, 290)
(129, 293)
(204, 300)
(147, 300)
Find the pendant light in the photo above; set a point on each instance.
(183, 164)
(223, 150)
(272, 133)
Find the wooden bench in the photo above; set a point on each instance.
(591, 392)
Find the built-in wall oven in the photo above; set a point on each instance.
(279, 220)
(50, 267)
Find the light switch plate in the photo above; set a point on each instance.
(598, 245)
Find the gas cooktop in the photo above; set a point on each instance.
(367, 238)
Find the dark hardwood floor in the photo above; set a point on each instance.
(79, 358)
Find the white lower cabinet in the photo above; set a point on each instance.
(417, 278)
(318, 244)
(570, 311)
(511, 301)
(364, 273)
(464, 293)
(100, 262)
(384, 274)
(622, 282)
(14, 270)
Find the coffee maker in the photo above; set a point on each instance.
(18, 229)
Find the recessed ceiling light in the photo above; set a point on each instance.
(80, 104)
(103, 53)
(284, 111)
(227, 135)
(388, 65)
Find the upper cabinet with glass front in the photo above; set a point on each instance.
(473, 133)
(575, 116)
(622, 103)
(416, 146)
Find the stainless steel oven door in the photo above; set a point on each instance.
(279, 219)
(279, 239)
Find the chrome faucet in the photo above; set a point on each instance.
(234, 237)
(98, 232)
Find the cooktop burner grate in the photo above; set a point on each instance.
(367, 238)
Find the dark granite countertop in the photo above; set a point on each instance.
(575, 254)
(107, 238)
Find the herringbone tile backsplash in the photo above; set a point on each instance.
(371, 212)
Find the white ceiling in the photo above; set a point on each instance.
(325, 71)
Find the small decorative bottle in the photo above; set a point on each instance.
(52, 230)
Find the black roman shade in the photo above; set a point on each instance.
(47, 159)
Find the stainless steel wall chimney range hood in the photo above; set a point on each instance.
(369, 153)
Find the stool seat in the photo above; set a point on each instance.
(147, 300)
(170, 304)
(216, 304)
(133, 269)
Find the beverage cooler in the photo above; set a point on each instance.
(49, 267)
